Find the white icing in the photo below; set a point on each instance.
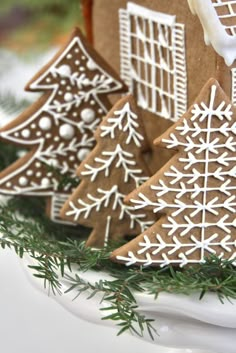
(88, 115)
(91, 65)
(29, 172)
(83, 153)
(207, 169)
(233, 86)
(23, 181)
(64, 70)
(107, 231)
(215, 33)
(152, 45)
(67, 131)
(116, 161)
(26, 133)
(52, 82)
(53, 162)
(68, 97)
(45, 182)
(123, 120)
(45, 123)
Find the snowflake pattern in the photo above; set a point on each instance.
(196, 193)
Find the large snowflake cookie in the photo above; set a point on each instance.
(58, 128)
(111, 171)
(195, 192)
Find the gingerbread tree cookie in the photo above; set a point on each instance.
(58, 129)
(112, 170)
(195, 191)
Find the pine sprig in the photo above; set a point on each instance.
(122, 307)
(55, 248)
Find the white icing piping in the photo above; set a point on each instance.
(214, 32)
(179, 183)
(101, 83)
(138, 24)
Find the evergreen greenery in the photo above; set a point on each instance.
(6, 5)
(54, 248)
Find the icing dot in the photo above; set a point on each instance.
(45, 123)
(63, 82)
(68, 97)
(76, 50)
(64, 70)
(38, 174)
(69, 56)
(72, 158)
(9, 184)
(77, 62)
(86, 82)
(56, 138)
(100, 111)
(48, 136)
(16, 134)
(53, 162)
(25, 133)
(83, 57)
(82, 154)
(38, 164)
(23, 181)
(81, 68)
(75, 114)
(33, 126)
(49, 174)
(91, 65)
(48, 79)
(92, 102)
(68, 88)
(29, 172)
(38, 133)
(66, 131)
(45, 182)
(88, 115)
(60, 93)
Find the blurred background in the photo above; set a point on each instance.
(31, 31)
(35, 25)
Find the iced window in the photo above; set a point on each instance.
(153, 60)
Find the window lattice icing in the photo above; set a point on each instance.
(226, 11)
(153, 62)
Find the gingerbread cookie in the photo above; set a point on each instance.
(195, 192)
(164, 46)
(112, 170)
(58, 128)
